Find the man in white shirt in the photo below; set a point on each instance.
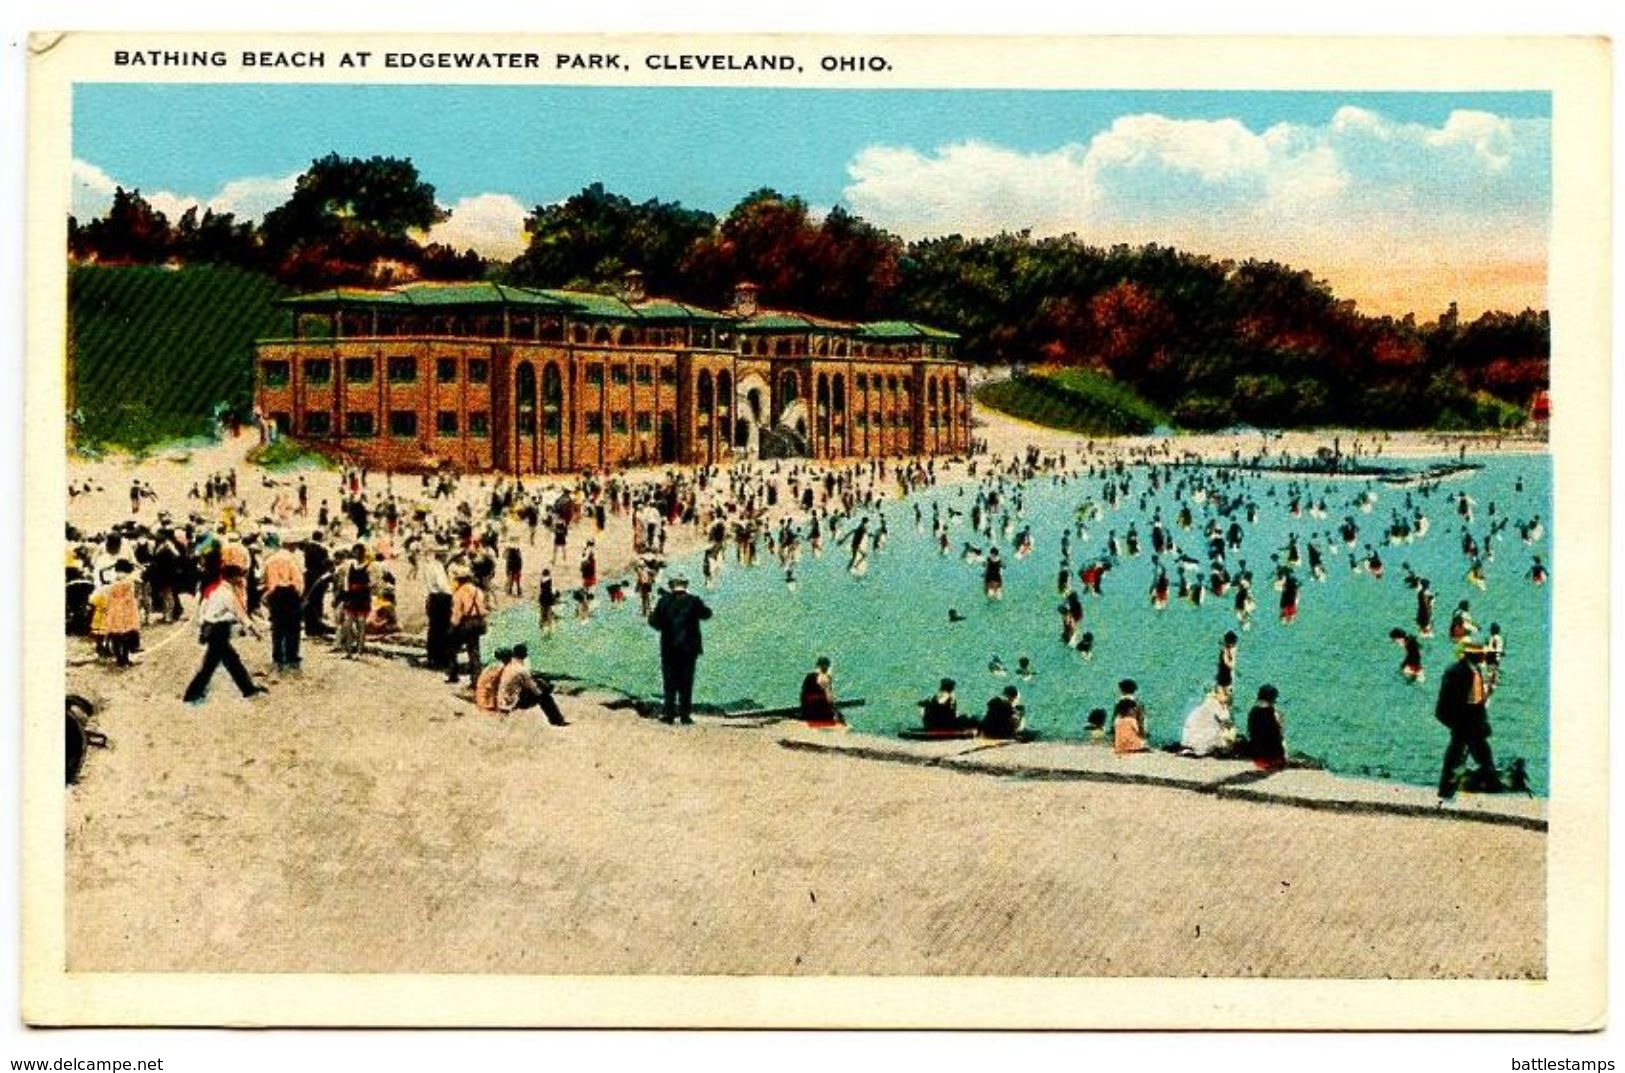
(437, 606)
(219, 612)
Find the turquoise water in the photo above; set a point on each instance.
(1337, 670)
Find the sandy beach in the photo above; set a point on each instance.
(363, 818)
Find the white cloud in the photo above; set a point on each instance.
(92, 191)
(1360, 186)
(492, 224)
(247, 198)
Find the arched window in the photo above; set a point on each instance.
(524, 401)
(601, 336)
(704, 395)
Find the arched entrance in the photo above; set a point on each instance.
(552, 445)
(705, 405)
(750, 413)
(524, 418)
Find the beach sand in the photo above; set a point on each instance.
(362, 818)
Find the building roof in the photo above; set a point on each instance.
(592, 305)
(903, 329)
(780, 320)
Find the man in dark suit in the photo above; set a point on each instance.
(677, 615)
(1463, 707)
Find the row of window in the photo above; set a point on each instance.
(405, 371)
(360, 371)
(402, 423)
(621, 375)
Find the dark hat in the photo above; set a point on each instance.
(503, 655)
(1128, 685)
(1268, 693)
(947, 685)
(1011, 691)
(521, 651)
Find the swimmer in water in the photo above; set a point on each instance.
(995, 667)
(955, 615)
(1410, 667)
(1537, 572)
(1025, 670)
(1086, 645)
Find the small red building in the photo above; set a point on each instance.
(487, 376)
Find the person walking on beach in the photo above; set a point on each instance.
(284, 600)
(1463, 708)
(220, 611)
(677, 615)
(355, 602)
(468, 611)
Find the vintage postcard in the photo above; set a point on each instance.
(796, 531)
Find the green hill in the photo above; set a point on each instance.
(1075, 400)
(154, 350)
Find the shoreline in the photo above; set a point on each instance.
(362, 818)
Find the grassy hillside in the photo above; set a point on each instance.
(154, 350)
(1083, 402)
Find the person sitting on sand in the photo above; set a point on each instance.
(1096, 722)
(1209, 729)
(1266, 743)
(818, 695)
(941, 712)
(518, 688)
(1128, 720)
(1004, 716)
(490, 678)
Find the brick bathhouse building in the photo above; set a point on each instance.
(486, 376)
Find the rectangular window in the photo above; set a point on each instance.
(445, 370)
(479, 424)
(617, 423)
(358, 370)
(275, 372)
(403, 423)
(283, 422)
(668, 374)
(619, 375)
(863, 420)
(358, 424)
(862, 382)
(646, 422)
(318, 371)
(595, 424)
(595, 375)
(445, 423)
(403, 370)
(646, 375)
(479, 370)
(318, 423)
(550, 423)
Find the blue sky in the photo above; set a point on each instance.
(1347, 184)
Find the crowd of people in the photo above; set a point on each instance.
(283, 552)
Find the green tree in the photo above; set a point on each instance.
(348, 219)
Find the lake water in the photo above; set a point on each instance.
(1343, 699)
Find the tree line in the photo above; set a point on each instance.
(1213, 342)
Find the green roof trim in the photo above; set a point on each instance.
(668, 309)
(591, 305)
(903, 329)
(358, 296)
